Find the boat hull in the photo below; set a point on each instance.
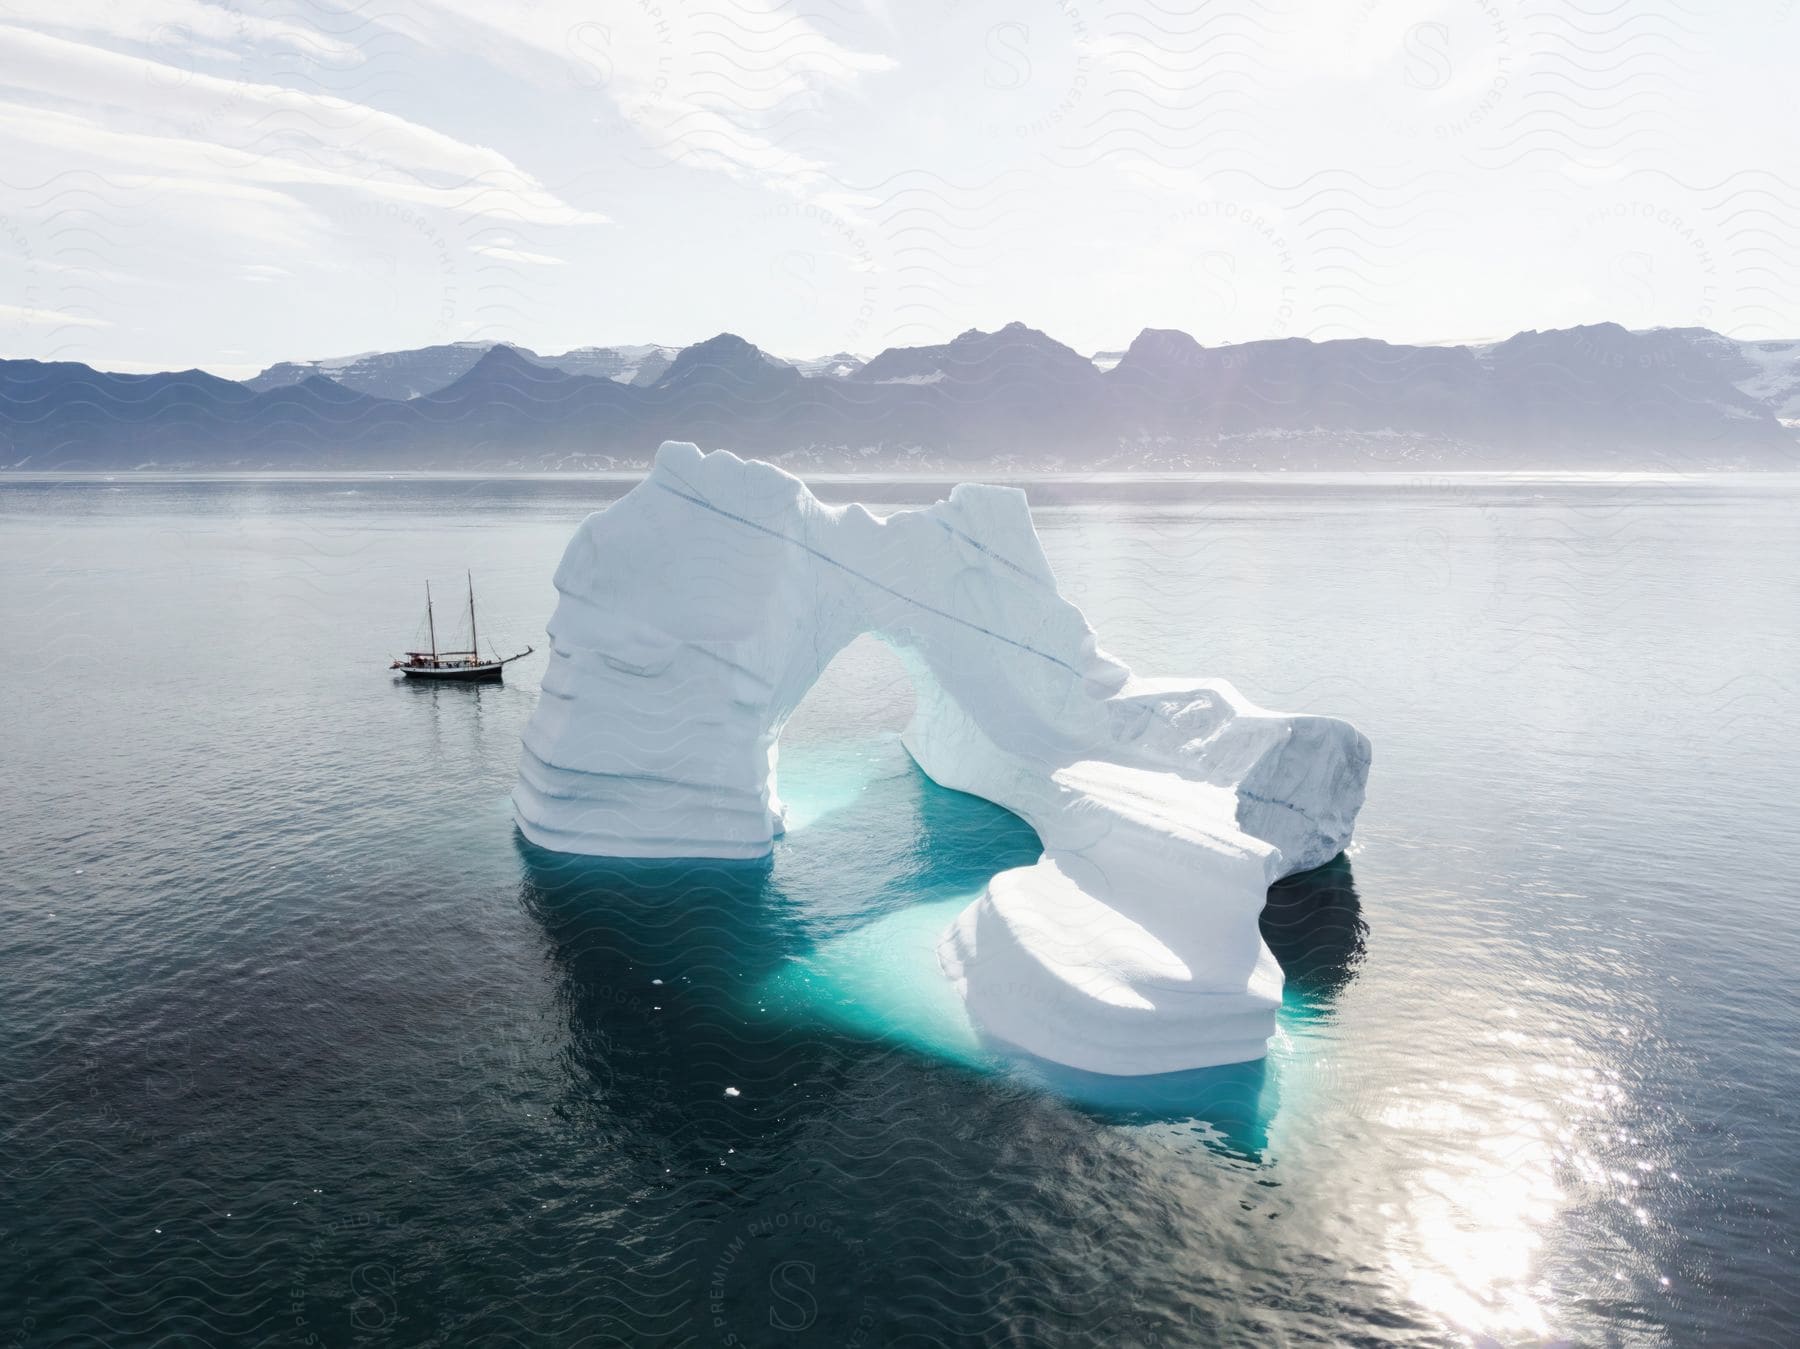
(460, 674)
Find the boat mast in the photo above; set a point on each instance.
(430, 622)
(474, 646)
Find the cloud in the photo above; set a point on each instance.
(47, 318)
(208, 126)
(719, 88)
(508, 254)
(186, 25)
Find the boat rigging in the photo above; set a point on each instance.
(468, 666)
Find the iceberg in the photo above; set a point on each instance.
(695, 612)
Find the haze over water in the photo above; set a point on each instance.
(297, 1040)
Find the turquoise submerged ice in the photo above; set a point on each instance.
(696, 612)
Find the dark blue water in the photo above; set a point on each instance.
(298, 1044)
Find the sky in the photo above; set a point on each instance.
(226, 185)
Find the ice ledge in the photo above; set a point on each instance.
(696, 612)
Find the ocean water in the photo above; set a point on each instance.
(299, 1043)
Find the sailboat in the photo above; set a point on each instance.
(469, 666)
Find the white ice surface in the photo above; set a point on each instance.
(696, 612)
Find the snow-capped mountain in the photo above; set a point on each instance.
(425, 370)
(639, 365)
(975, 357)
(382, 374)
(836, 366)
(1767, 371)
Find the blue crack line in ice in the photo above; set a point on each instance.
(867, 580)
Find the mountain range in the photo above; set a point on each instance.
(1594, 397)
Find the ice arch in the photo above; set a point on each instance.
(695, 613)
